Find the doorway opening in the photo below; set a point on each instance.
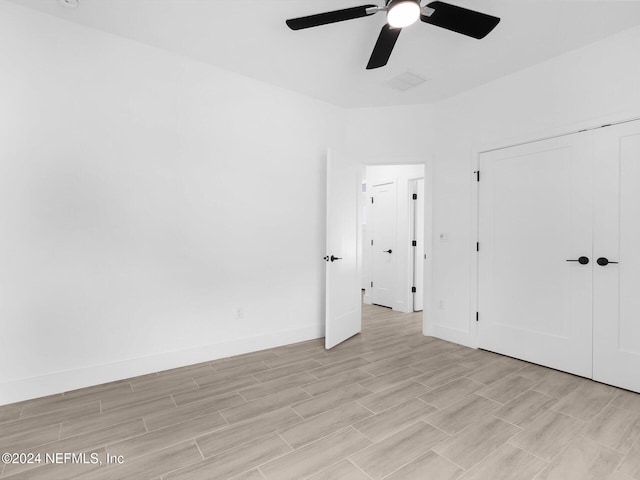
(392, 236)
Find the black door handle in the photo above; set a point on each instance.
(386, 251)
(581, 260)
(333, 259)
(604, 261)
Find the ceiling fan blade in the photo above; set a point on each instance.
(331, 17)
(384, 46)
(460, 20)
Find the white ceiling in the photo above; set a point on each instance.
(328, 62)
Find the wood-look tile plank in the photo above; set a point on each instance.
(80, 425)
(324, 424)
(558, 384)
(535, 372)
(477, 441)
(220, 377)
(332, 399)
(395, 395)
(476, 359)
(586, 401)
(150, 466)
(388, 422)
(382, 458)
(84, 443)
(163, 437)
(344, 470)
(244, 432)
(507, 389)
(442, 376)
(451, 392)
(548, 435)
(287, 370)
(630, 465)
(32, 424)
(127, 399)
(313, 458)
(162, 387)
(244, 359)
(332, 369)
(525, 408)
(438, 362)
(73, 398)
(53, 471)
(583, 460)
(615, 428)
(493, 372)
(9, 412)
(174, 374)
(21, 442)
(214, 390)
(506, 463)
(170, 416)
(250, 475)
(341, 380)
(627, 400)
(264, 405)
(428, 466)
(387, 380)
(279, 384)
(234, 462)
(463, 413)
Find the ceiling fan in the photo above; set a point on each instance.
(402, 13)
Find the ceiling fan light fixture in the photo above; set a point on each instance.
(402, 13)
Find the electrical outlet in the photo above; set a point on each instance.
(440, 304)
(239, 313)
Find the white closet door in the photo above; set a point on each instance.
(616, 326)
(382, 218)
(535, 213)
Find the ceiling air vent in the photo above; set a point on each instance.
(405, 81)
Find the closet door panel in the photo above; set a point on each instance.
(616, 300)
(535, 213)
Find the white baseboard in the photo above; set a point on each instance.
(34, 387)
(461, 337)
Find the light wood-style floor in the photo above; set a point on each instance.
(388, 403)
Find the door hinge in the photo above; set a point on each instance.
(477, 246)
(372, 284)
(414, 243)
(413, 289)
(415, 196)
(477, 316)
(477, 172)
(371, 242)
(371, 199)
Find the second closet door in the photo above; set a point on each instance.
(616, 301)
(535, 213)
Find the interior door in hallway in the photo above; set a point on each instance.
(382, 219)
(616, 320)
(535, 258)
(343, 301)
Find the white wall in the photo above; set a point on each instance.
(579, 89)
(403, 260)
(154, 211)
(598, 82)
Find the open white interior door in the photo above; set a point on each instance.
(343, 302)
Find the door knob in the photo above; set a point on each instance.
(604, 261)
(333, 259)
(581, 260)
(386, 251)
